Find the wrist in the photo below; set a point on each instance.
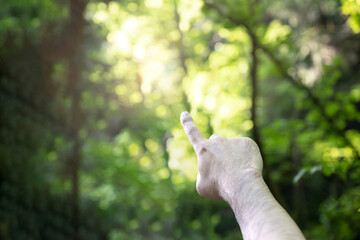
(259, 215)
(236, 187)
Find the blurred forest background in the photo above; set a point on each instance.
(91, 91)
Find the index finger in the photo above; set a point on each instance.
(192, 131)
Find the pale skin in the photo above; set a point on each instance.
(230, 169)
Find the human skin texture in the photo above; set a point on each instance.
(230, 169)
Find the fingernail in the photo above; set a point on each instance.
(185, 116)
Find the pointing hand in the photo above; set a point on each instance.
(221, 161)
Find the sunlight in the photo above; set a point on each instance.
(243, 67)
(100, 14)
(130, 25)
(153, 3)
(210, 103)
(120, 41)
(135, 39)
(196, 89)
(139, 52)
(277, 32)
(189, 10)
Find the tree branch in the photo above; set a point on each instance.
(255, 130)
(254, 88)
(296, 82)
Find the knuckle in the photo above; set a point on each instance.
(191, 130)
(202, 147)
(216, 138)
(250, 144)
(248, 141)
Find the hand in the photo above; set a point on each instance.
(230, 169)
(222, 162)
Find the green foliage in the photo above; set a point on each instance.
(90, 141)
(352, 8)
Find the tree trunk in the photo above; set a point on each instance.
(255, 130)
